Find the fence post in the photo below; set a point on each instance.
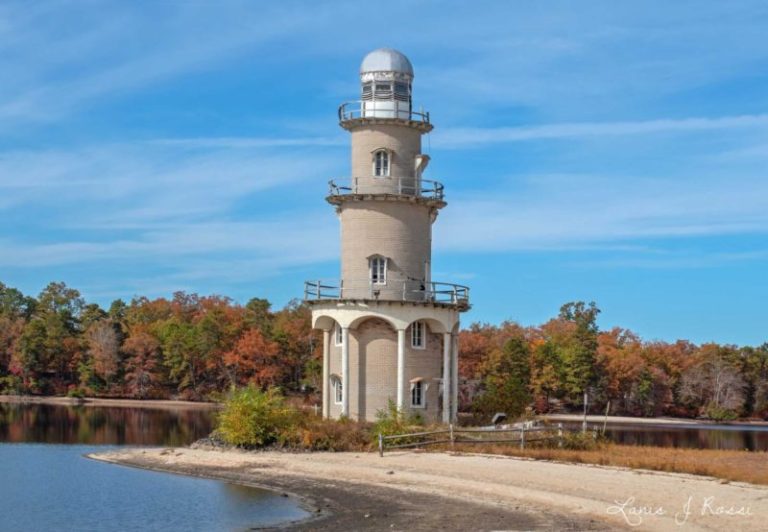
(381, 445)
(522, 437)
(452, 437)
(559, 434)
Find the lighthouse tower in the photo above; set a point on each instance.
(389, 330)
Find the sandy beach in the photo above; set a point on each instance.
(119, 403)
(463, 491)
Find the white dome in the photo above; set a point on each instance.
(386, 60)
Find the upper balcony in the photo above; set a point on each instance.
(352, 114)
(395, 187)
(445, 294)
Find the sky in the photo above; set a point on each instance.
(606, 151)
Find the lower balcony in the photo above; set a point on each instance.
(411, 291)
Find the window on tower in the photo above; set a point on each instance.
(417, 393)
(417, 335)
(401, 91)
(383, 91)
(338, 334)
(338, 394)
(381, 163)
(367, 91)
(378, 267)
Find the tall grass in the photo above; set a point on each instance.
(738, 466)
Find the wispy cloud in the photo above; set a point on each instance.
(559, 212)
(470, 137)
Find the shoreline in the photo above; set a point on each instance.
(335, 502)
(466, 491)
(156, 404)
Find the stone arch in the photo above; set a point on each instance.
(355, 323)
(324, 322)
(435, 326)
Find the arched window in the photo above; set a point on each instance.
(378, 267)
(381, 163)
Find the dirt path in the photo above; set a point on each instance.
(437, 490)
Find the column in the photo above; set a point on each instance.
(326, 388)
(401, 369)
(447, 389)
(345, 371)
(455, 378)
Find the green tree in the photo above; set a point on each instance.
(506, 380)
(579, 356)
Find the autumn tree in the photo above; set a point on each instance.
(506, 379)
(713, 384)
(142, 350)
(103, 349)
(255, 359)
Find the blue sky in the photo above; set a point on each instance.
(604, 151)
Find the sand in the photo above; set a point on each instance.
(471, 492)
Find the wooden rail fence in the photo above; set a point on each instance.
(454, 435)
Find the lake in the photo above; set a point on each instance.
(47, 483)
(737, 437)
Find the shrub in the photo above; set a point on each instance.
(718, 413)
(392, 420)
(254, 418)
(76, 393)
(11, 385)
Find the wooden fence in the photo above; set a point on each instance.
(453, 435)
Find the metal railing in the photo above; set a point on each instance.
(432, 292)
(453, 435)
(356, 110)
(404, 186)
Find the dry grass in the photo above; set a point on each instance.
(741, 466)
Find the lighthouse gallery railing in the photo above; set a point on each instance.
(405, 186)
(432, 292)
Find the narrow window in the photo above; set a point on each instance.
(378, 270)
(337, 390)
(417, 335)
(367, 91)
(417, 394)
(381, 163)
(338, 334)
(401, 91)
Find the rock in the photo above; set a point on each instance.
(390, 472)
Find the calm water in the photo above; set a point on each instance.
(697, 436)
(47, 484)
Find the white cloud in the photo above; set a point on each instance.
(470, 137)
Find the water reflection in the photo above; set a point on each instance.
(20, 423)
(699, 436)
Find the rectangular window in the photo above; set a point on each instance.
(338, 394)
(339, 336)
(383, 91)
(378, 270)
(381, 163)
(417, 394)
(417, 335)
(367, 91)
(401, 91)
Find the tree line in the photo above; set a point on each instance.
(568, 360)
(192, 346)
